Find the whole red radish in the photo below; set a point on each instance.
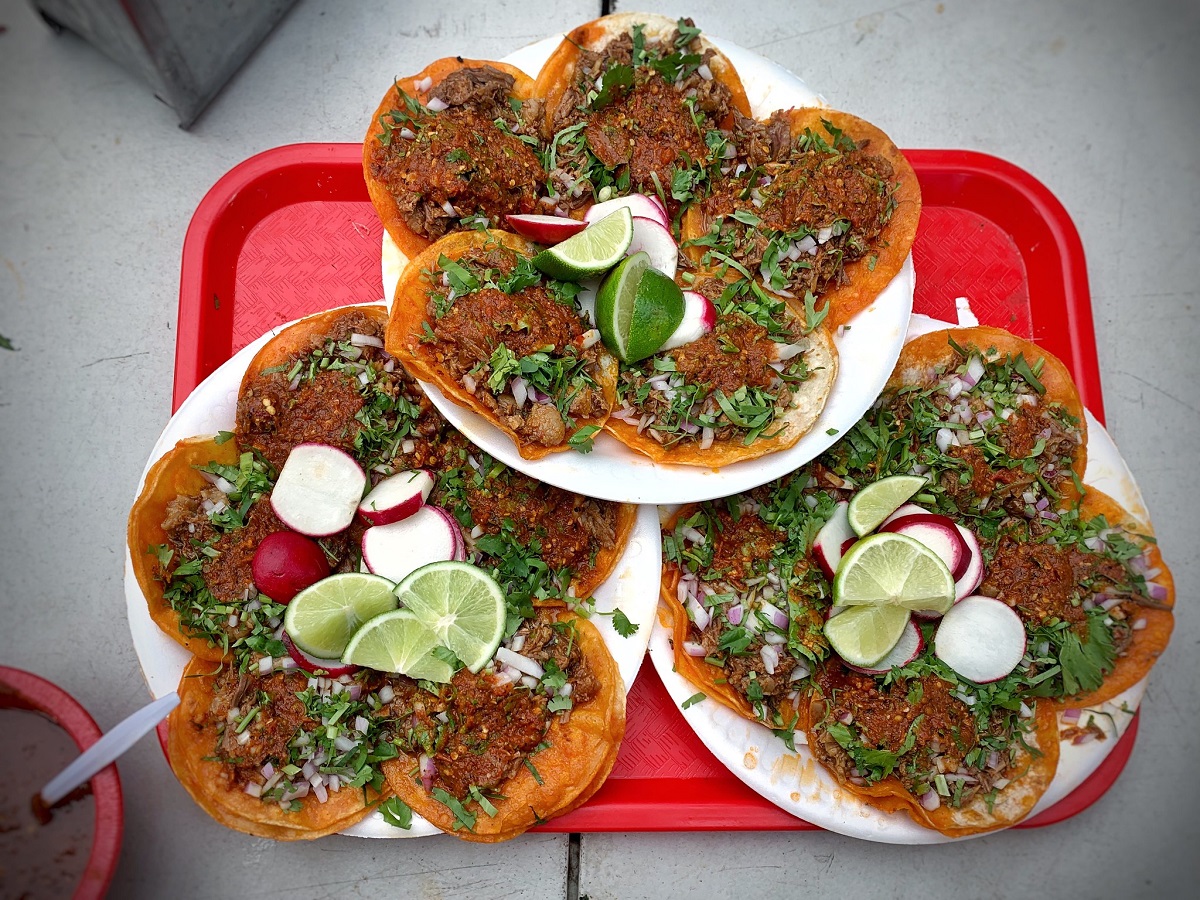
(285, 563)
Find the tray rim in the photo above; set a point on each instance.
(247, 187)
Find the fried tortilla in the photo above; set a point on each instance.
(834, 211)
(509, 760)
(744, 601)
(630, 100)
(497, 337)
(915, 747)
(221, 771)
(428, 170)
(1038, 435)
(173, 476)
(761, 383)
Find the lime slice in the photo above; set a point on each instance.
(890, 569)
(596, 249)
(398, 641)
(874, 503)
(637, 308)
(462, 604)
(322, 617)
(864, 635)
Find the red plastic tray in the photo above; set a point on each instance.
(291, 231)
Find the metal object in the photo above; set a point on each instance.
(185, 50)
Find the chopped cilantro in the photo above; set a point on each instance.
(396, 813)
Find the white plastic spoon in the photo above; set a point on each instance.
(119, 739)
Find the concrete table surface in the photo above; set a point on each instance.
(1098, 100)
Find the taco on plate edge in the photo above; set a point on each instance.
(819, 203)
(500, 338)
(753, 385)
(451, 146)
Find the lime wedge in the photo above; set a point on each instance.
(893, 570)
(322, 618)
(874, 503)
(398, 641)
(864, 635)
(463, 606)
(596, 249)
(637, 308)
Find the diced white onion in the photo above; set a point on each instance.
(437, 104)
(366, 340)
(520, 390)
(521, 663)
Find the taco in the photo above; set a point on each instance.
(745, 602)
(635, 103)
(473, 316)
(545, 545)
(1094, 594)
(192, 534)
(817, 202)
(948, 753)
(996, 420)
(254, 750)
(326, 379)
(452, 147)
(490, 755)
(753, 385)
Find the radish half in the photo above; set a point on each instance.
(544, 229)
(638, 204)
(396, 497)
(981, 639)
(313, 664)
(832, 538)
(318, 490)
(285, 563)
(655, 238)
(699, 318)
(907, 649)
(429, 535)
(938, 533)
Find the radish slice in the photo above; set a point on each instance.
(314, 664)
(318, 490)
(973, 576)
(638, 204)
(655, 238)
(699, 318)
(396, 497)
(285, 563)
(460, 543)
(981, 639)
(832, 538)
(424, 537)
(662, 208)
(939, 534)
(545, 229)
(906, 650)
(908, 509)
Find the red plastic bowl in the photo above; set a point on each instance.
(66, 712)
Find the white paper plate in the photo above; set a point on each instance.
(867, 353)
(210, 408)
(798, 784)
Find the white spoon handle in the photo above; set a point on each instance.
(122, 736)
